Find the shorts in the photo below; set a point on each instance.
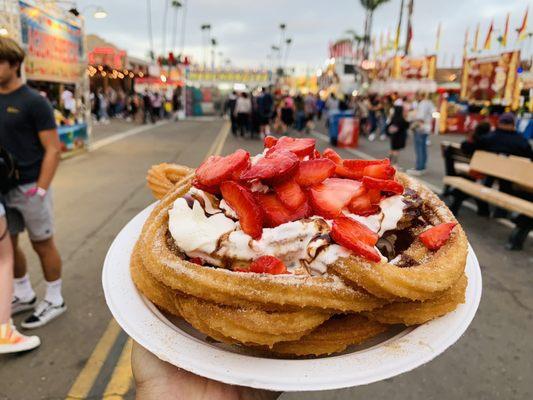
(32, 213)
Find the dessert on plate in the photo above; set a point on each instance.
(295, 252)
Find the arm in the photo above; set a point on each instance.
(50, 141)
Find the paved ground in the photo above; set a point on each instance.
(98, 192)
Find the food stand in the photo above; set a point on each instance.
(55, 61)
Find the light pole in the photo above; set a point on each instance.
(213, 45)
(282, 28)
(206, 33)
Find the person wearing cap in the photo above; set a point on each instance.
(504, 139)
(28, 133)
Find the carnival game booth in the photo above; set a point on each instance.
(55, 65)
(490, 85)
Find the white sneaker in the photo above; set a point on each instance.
(44, 313)
(12, 341)
(416, 172)
(18, 305)
(371, 137)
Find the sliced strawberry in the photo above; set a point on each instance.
(242, 201)
(383, 185)
(208, 189)
(380, 171)
(268, 265)
(361, 164)
(290, 194)
(311, 172)
(270, 141)
(360, 204)
(217, 169)
(374, 195)
(316, 154)
(356, 237)
(436, 236)
(274, 167)
(331, 196)
(340, 169)
(276, 213)
(197, 260)
(236, 175)
(300, 146)
(332, 155)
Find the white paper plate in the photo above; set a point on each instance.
(178, 343)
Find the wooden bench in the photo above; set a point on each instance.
(455, 162)
(514, 170)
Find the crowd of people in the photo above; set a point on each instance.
(148, 106)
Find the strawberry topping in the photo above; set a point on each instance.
(208, 189)
(290, 194)
(276, 213)
(314, 171)
(268, 265)
(300, 147)
(274, 167)
(436, 236)
(380, 171)
(270, 141)
(331, 196)
(356, 237)
(242, 201)
(384, 185)
(217, 169)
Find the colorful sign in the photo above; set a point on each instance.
(491, 78)
(72, 137)
(54, 46)
(399, 67)
(227, 76)
(113, 58)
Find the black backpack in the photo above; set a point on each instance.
(9, 173)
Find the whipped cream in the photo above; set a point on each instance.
(387, 219)
(193, 230)
(209, 230)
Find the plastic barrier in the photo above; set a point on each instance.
(333, 120)
(348, 132)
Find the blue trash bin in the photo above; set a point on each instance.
(333, 120)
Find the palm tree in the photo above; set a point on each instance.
(370, 6)
(355, 38)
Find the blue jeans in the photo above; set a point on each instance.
(421, 151)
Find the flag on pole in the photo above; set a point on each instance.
(488, 39)
(465, 45)
(398, 29)
(381, 46)
(505, 31)
(437, 40)
(409, 37)
(523, 27)
(476, 39)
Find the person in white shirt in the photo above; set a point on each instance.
(243, 109)
(421, 127)
(69, 102)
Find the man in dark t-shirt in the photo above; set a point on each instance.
(28, 132)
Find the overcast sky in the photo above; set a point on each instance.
(246, 29)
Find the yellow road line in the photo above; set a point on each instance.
(122, 377)
(81, 387)
(221, 137)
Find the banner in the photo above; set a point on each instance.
(491, 78)
(258, 77)
(53, 46)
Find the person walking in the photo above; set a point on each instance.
(11, 341)
(310, 112)
(397, 131)
(243, 109)
(28, 133)
(229, 107)
(148, 109)
(265, 107)
(286, 114)
(423, 115)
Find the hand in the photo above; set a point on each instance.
(158, 380)
(36, 190)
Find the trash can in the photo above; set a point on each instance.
(348, 132)
(333, 120)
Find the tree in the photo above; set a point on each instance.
(370, 6)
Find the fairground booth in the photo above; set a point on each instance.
(55, 63)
